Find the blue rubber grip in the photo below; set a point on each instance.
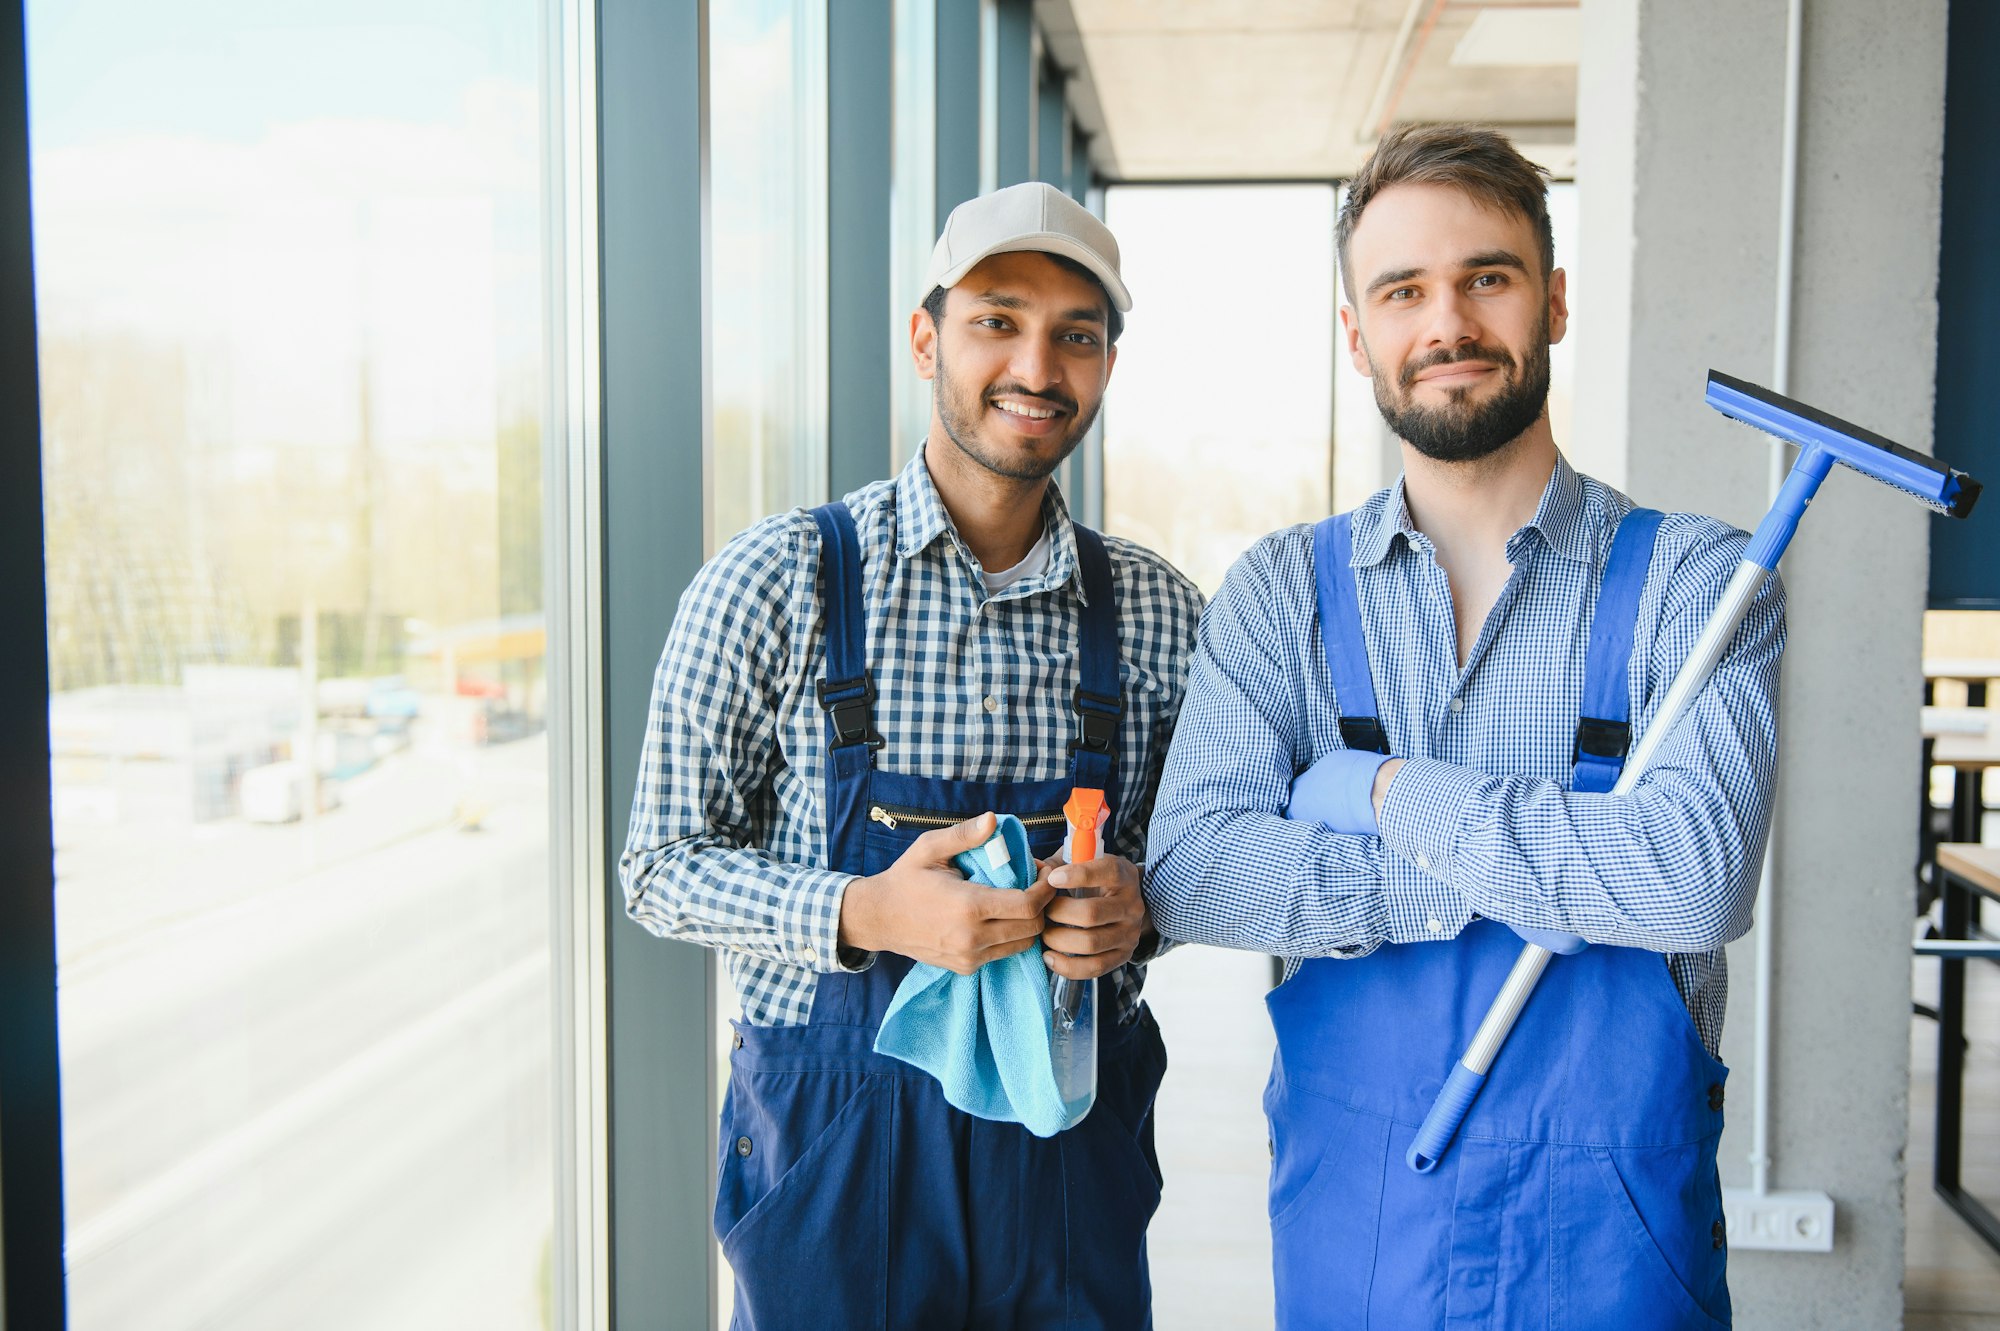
(1461, 1088)
(1774, 533)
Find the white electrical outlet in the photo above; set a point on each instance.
(1784, 1221)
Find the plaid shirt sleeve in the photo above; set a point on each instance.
(690, 868)
(1226, 867)
(1672, 867)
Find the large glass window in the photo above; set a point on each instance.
(1218, 424)
(295, 386)
(767, 173)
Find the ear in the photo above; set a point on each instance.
(1558, 305)
(923, 344)
(1110, 361)
(1350, 328)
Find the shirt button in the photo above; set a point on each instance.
(992, 704)
(1458, 704)
(809, 952)
(1423, 860)
(743, 1147)
(1718, 1236)
(1435, 925)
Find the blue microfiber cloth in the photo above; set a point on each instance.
(985, 1036)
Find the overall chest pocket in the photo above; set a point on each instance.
(893, 828)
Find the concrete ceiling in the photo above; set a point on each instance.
(1300, 89)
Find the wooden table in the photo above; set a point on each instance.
(1967, 874)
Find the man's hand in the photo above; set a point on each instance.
(1337, 792)
(1093, 934)
(921, 907)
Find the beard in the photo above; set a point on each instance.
(960, 410)
(1460, 430)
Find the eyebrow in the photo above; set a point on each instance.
(1483, 259)
(1081, 314)
(1496, 259)
(1392, 278)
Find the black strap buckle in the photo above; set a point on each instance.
(1363, 734)
(1097, 722)
(853, 718)
(1606, 741)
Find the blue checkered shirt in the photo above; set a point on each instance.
(1479, 820)
(726, 844)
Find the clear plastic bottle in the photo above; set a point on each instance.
(1073, 1042)
(1073, 1003)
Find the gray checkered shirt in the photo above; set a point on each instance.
(726, 847)
(1480, 819)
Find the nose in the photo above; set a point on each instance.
(1036, 364)
(1453, 320)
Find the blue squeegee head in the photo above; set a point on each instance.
(1950, 492)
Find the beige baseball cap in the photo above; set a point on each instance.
(1034, 216)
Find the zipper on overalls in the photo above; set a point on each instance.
(891, 816)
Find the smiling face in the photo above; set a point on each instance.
(1020, 360)
(1451, 319)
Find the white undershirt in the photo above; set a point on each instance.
(1033, 566)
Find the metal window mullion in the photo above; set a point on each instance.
(31, 1184)
(860, 74)
(959, 109)
(652, 187)
(1011, 64)
(581, 1258)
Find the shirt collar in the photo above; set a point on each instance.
(921, 518)
(1560, 519)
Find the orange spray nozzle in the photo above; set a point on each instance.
(1085, 811)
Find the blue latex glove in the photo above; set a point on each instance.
(1338, 792)
(1563, 945)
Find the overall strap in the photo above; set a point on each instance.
(1604, 730)
(846, 693)
(1340, 631)
(1097, 700)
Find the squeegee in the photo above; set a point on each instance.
(1822, 440)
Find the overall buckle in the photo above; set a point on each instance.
(853, 717)
(1606, 741)
(1097, 722)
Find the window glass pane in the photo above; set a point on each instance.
(1218, 425)
(767, 191)
(294, 377)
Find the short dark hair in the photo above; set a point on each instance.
(1473, 158)
(1114, 322)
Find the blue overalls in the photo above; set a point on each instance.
(850, 1194)
(1582, 1190)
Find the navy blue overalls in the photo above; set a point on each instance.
(851, 1195)
(1582, 1190)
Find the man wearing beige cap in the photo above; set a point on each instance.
(848, 698)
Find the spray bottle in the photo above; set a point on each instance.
(1073, 1003)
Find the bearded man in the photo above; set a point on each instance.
(1394, 763)
(847, 698)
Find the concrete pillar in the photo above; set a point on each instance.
(1679, 125)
